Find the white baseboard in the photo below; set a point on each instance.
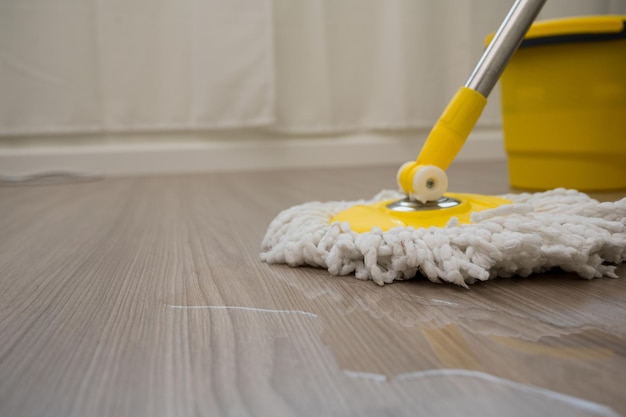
(226, 151)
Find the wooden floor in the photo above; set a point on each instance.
(146, 297)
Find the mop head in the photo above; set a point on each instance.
(558, 228)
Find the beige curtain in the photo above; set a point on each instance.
(299, 66)
(127, 65)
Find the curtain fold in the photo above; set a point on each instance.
(299, 66)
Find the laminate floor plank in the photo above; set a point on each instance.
(145, 296)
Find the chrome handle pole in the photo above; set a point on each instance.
(504, 44)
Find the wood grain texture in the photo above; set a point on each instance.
(146, 297)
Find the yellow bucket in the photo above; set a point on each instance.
(564, 105)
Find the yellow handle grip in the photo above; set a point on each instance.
(448, 135)
(452, 129)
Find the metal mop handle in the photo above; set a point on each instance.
(504, 44)
(424, 179)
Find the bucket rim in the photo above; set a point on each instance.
(574, 29)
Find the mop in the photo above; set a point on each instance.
(450, 237)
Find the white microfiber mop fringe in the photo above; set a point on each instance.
(558, 228)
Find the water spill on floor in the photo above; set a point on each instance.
(555, 331)
(452, 372)
(338, 346)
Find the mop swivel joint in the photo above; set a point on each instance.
(425, 179)
(423, 183)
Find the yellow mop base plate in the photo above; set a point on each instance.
(362, 218)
